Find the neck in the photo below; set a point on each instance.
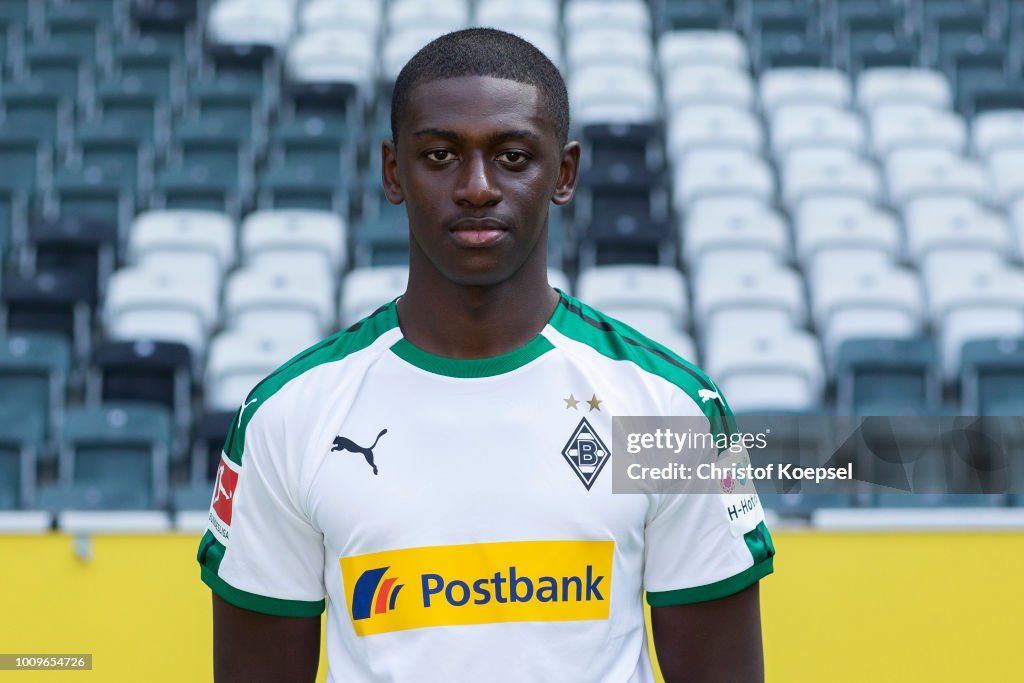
(470, 322)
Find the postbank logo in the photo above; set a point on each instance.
(484, 583)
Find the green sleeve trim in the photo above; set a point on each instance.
(260, 603)
(712, 591)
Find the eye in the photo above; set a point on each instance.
(439, 155)
(513, 157)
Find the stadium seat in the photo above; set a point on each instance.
(117, 447)
(149, 67)
(815, 125)
(123, 158)
(163, 305)
(693, 15)
(313, 142)
(55, 301)
(60, 70)
(710, 172)
(733, 224)
(898, 85)
(831, 171)
(301, 186)
(887, 376)
(443, 16)
(211, 431)
(334, 54)
(223, 151)
(144, 371)
(609, 93)
(895, 126)
(1006, 174)
(36, 370)
(713, 126)
(196, 188)
(638, 295)
(793, 86)
(720, 286)
(238, 361)
(366, 289)
(363, 17)
(127, 108)
(611, 44)
(319, 236)
(82, 246)
(826, 223)
(238, 22)
(872, 302)
(37, 113)
(708, 84)
(682, 48)
(622, 152)
(580, 15)
(912, 173)
(229, 106)
(992, 374)
(198, 235)
(77, 32)
(19, 444)
(992, 131)
(959, 224)
(25, 163)
(383, 239)
(90, 195)
(761, 370)
(280, 303)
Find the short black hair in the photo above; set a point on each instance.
(484, 52)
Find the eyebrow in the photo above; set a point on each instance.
(497, 138)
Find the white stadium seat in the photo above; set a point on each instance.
(684, 48)
(816, 125)
(995, 130)
(617, 94)
(186, 232)
(832, 171)
(1006, 174)
(400, 46)
(912, 173)
(780, 370)
(535, 14)
(973, 323)
(902, 85)
(238, 361)
(363, 17)
(366, 289)
(719, 286)
(320, 234)
(333, 55)
(894, 126)
(733, 224)
(710, 172)
(242, 22)
(1017, 218)
(713, 125)
(825, 223)
(708, 84)
(936, 224)
(628, 14)
(440, 15)
(623, 291)
(613, 45)
(800, 85)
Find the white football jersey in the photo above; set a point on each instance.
(456, 517)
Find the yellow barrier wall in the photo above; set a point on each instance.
(840, 607)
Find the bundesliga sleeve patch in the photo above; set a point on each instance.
(484, 583)
(223, 499)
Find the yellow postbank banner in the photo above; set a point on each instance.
(482, 583)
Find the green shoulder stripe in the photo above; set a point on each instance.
(619, 341)
(355, 338)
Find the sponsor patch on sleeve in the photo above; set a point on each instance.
(223, 499)
(742, 506)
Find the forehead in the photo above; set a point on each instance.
(476, 105)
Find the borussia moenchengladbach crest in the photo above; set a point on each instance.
(586, 453)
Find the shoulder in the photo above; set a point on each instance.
(282, 395)
(602, 334)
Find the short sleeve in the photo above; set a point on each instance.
(260, 552)
(704, 546)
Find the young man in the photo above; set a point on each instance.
(435, 469)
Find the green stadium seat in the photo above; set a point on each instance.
(150, 67)
(77, 32)
(301, 187)
(992, 372)
(383, 240)
(59, 71)
(25, 162)
(56, 301)
(196, 188)
(123, 158)
(109, 496)
(32, 110)
(887, 377)
(132, 110)
(216, 146)
(169, 23)
(117, 447)
(34, 374)
(20, 440)
(231, 103)
(315, 143)
(92, 195)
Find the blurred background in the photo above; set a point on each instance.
(820, 202)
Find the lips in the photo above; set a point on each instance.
(477, 232)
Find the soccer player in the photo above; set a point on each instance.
(436, 472)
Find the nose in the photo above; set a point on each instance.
(476, 185)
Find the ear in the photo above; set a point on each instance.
(568, 172)
(389, 172)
